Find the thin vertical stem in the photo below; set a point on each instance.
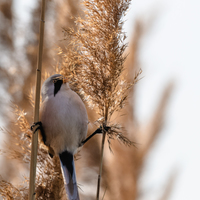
(101, 165)
(34, 146)
(102, 151)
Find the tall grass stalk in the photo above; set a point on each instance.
(34, 146)
(101, 165)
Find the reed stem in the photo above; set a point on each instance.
(102, 151)
(101, 165)
(34, 146)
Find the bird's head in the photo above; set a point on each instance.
(53, 85)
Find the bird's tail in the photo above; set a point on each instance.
(69, 175)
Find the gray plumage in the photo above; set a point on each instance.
(64, 120)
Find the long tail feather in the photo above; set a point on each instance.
(69, 175)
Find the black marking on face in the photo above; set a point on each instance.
(67, 160)
(57, 85)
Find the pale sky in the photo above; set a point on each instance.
(171, 51)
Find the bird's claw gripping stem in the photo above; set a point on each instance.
(99, 130)
(36, 126)
(39, 127)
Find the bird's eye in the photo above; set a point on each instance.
(54, 80)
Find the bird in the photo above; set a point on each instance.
(63, 126)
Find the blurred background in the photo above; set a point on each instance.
(163, 112)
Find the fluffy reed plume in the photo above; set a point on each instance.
(123, 168)
(94, 60)
(94, 64)
(122, 181)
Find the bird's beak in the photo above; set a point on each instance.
(65, 80)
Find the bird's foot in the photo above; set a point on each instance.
(99, 130)
(36, 126)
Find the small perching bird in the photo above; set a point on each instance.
(63, 126)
